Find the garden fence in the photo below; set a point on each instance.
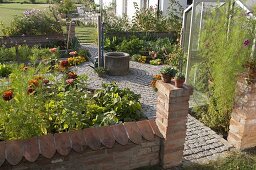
(148, 35)
(42, 40)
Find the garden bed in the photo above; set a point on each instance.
(45, 98)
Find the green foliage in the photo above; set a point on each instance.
(101, 71)
(176, 58)
(123, 103)
(145, 19)
(156, 62)
(61, 104)
(136, 57)
(180, 75)
(33, 22)
(224, 53)
(168, 71)
(66, 6)
(132, 46)
(5, 70)
(84, 53)
(7, 54)
(24, 52)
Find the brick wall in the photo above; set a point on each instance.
(242, 129)
(129, 145)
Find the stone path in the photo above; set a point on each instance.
(202, 144)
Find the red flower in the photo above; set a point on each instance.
(45, 81)
(53, 50)
(70, 81)
(30, 90)
(72, 75)
(8, 95)
(64, 63)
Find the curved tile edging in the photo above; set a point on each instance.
(95, 138)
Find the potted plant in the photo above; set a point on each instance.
(168, 73)
(179, 80)
(101, 71)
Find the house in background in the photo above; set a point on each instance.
(126, 7)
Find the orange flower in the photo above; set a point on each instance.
(8, 95)
(33, 82)
(157, 77)
(72, 75)
(53, 50)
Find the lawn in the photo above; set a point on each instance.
(9, 11)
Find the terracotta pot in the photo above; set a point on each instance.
(166, 78)
(179, 82)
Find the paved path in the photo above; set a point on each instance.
(202, 144)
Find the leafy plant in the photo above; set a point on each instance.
(101, 71)
(5, 70)
(33, 22)
(123, 103)
(168, 71)
(156, 62)
(180, 76)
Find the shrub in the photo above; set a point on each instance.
(7, 54)
(33, 22)
(5, 70)
(132, 46)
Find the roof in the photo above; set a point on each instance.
(92, 138)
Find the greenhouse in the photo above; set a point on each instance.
(194, 18)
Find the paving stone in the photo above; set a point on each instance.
(201, 142)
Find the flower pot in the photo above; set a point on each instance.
(179, 82)
(166, 78)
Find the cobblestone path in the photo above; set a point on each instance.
(202, 144)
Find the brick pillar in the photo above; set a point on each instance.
(171, 118)
(72, 29)
(242, 128)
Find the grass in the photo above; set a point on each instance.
(86, 35)
(9, 11)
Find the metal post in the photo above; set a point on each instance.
(99, 42)
(190, 40)
(201, 24)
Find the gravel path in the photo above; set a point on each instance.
(202, 144)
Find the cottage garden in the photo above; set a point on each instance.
(41, 93)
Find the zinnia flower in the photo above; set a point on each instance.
(30, 90)
(8, 95)
(64, 63)
(53, 50)
(72, 75)
(45, 81)
(33, 82)
(73, 53)
(70, 81)
(246, 43)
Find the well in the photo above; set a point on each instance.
(117, 63)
